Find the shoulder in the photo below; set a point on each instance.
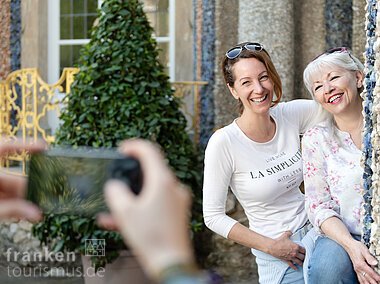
(222, 136)
(296, 111)
(298, 105)
(317, 133)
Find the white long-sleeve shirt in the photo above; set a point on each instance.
(264, 177)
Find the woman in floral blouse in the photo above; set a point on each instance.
(332, 173)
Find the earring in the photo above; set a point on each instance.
(359, 84)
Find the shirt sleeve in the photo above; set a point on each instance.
(218, 169)
(319, 203)
(304, 113)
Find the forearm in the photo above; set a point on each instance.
(246, 237)
(335, 229)
(282, 247)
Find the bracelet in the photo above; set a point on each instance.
(179, 269)
(187, 273)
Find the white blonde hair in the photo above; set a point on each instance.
(342, 59)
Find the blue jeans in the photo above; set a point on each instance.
(330, 264)
(292, 276)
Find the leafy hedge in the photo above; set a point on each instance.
(121, 92)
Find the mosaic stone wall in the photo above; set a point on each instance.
(10, 36)
(371, 140)
(15, 36)
(5, 52)
(205, 54)
(338, 15)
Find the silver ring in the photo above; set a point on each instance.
(364, 273)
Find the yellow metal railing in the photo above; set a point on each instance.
(27, 104)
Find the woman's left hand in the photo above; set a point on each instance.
(363, 263)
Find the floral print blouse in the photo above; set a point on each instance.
(333, 177)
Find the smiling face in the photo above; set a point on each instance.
(336, 89)
(252, 85)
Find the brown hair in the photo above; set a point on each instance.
(262, 56)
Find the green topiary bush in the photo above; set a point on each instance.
(121, 92)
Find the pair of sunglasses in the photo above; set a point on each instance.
(333, 50)
(236, 51)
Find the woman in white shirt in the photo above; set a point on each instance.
(333, 176)
(258, 156)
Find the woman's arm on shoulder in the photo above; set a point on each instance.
(304, 113)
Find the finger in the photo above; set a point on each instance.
(291, 265)
(107, 222)
(118, 196)
(151, 159)
(369, 258)
(185, 196)
(301, 256)
(366, 278)
(298, 261)
(12, 186)
(371, 275)
(287, 234)
(19, 146)
(361, 278)
(18, 208)
(302, 250)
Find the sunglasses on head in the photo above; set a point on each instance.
(236, 51)
(333, 50)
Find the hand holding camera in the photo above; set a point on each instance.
(155, 222)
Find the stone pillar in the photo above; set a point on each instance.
(226, 30)
(184, 39)
(34, 37)
(358, 28)
(310, 33)
(271, 23)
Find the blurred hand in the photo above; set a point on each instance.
(363, 263)
(287, 250)
(13, 188)
(154, 223)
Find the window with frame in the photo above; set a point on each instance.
(70, 22)
(76, 19)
